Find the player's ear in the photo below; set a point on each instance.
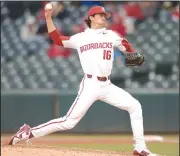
(91, 18)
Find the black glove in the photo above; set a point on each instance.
(134, 59)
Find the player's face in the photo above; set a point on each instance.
(99, 19)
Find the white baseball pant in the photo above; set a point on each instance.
(91, 90)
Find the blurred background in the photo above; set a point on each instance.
(41, 79)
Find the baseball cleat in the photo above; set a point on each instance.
(144, 152)
(23, 134)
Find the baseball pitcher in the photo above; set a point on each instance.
(95, 49)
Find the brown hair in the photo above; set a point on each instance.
(88, 21)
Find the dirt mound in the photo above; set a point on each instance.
(22, 150)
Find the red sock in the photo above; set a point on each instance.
(31, 135)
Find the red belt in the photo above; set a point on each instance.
(99, 78)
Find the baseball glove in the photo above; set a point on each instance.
(134, 59)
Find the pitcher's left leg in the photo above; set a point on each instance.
(123, 100)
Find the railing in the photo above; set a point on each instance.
(70, 92)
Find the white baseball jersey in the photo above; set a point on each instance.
(95, 49)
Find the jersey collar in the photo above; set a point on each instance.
(95, 30)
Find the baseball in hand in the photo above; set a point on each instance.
(48, 7)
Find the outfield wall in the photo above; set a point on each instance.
(160, 111)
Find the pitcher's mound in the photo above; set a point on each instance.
(52, 151)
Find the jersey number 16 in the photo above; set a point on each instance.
(107, 55)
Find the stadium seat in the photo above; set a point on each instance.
(26, 64)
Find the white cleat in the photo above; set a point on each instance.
(144, 152)
(22, 134)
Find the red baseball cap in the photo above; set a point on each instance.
(98, 10)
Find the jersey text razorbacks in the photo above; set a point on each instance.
(95, 46)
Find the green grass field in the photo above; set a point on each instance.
(117, 143)
(170, 147)
(159, 148)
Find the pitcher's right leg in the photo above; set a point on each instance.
(123, 100)
(78, 109)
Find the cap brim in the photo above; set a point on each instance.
(108, 15)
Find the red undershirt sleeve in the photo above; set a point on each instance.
(127, 45)
(57, 38)
(122, 43)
